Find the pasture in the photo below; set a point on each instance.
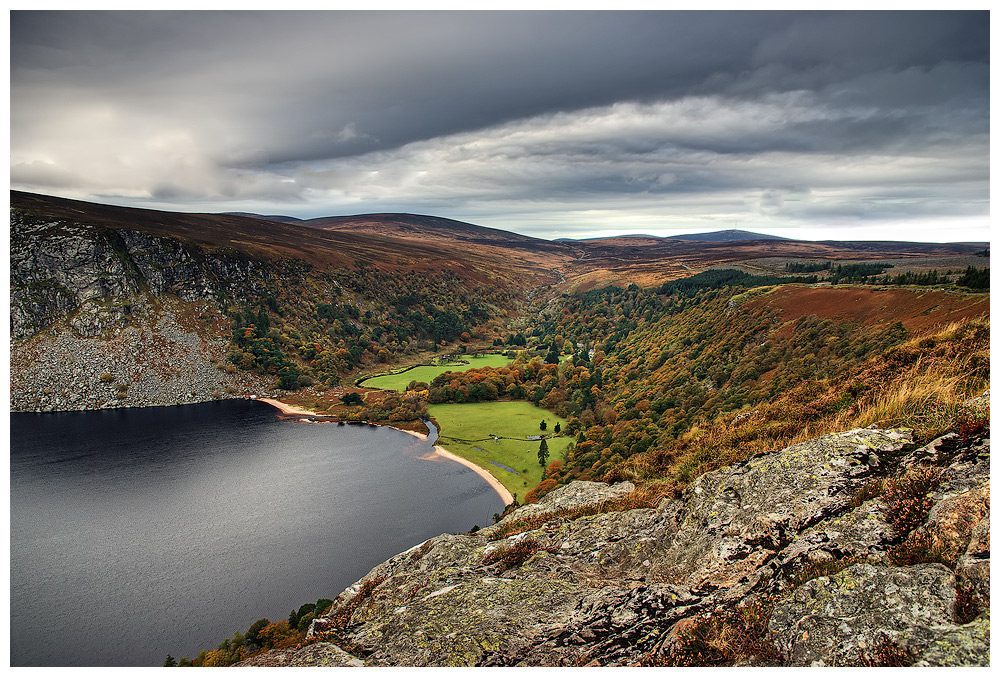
(471, 430)
(426, 373)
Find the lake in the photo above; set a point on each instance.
(141, 532)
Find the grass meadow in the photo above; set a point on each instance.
(426, 373)
(467, 430)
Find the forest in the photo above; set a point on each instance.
(321, 327)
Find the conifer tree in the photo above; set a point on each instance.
(543, 453)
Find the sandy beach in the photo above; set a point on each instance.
(442, 453)
(439, 452)
(482, 472)
(287, 408)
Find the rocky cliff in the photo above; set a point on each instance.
(851, 549)
(105, 317)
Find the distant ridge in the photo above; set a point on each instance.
(635, 236)
(428, 228)
(276, 218)
(731, 235)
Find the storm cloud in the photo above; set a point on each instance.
(808, 124)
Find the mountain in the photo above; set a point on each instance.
(416, 242)
(731, 235)
(504, 256)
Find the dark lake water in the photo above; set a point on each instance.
(142, 532)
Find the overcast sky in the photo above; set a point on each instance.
(554, 124)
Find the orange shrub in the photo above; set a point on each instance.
(544, 487)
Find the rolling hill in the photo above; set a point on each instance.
(732, 235)
(428, 228)
(506, 257)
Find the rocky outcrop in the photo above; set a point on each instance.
(580, 495)
(626, 588)
(94, 275)
(116, 318)
(840, 619)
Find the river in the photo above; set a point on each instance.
(141, 532)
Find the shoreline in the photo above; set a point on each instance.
(505, 495)
(286, 408)
(438, 451)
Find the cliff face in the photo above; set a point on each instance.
(96, 274)
(791, 558)
(103, 317)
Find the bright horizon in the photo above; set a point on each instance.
(888, 233)
(806, 125)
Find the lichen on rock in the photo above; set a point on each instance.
(622, 588)
(839, 620)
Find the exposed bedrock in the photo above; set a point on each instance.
(620, 588)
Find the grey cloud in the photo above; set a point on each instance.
(406, 76)
(43, 174)
(491, 113)
(873, 40)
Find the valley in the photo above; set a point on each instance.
(658, 366)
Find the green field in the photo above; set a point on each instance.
(464, 427)
(427, 373)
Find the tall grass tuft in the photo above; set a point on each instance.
(513, 556)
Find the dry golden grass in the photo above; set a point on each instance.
(931, 380)
(921, 384)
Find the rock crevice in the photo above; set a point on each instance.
(622, 588)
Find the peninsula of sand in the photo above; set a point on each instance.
(437, 453)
